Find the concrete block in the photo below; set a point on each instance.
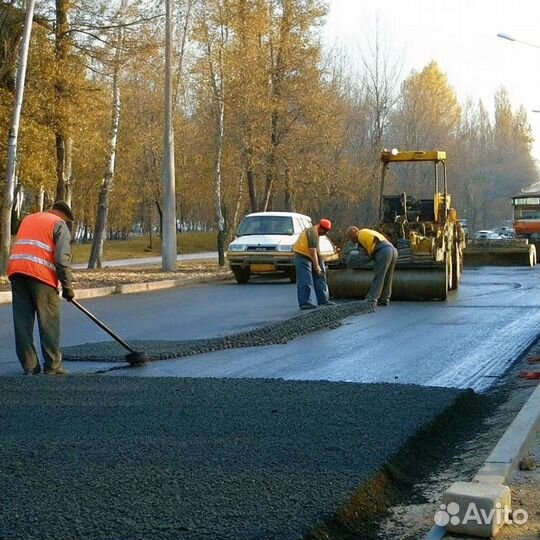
(81, 294)
(143, 287)
(493, 473)
(475, 508)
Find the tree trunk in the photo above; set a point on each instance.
(69, 171)
(217, 180)
(276, 80)
(289, 196)
(236, 216)
(61, 54)
(254, 204)
(96, 254)
(160, 214)
(216, 79)
(41, 198)
(150, 245)
(221, 247)
(7, 203)
(60, 167)
(168, 235)
(271, 164)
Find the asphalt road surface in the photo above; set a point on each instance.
(244, 454)
(103, 458)
(466, 342)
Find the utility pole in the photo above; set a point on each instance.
(168, 186)
(7, 205)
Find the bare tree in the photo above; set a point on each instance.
(216, 38)
(7, 203)
(63, 147)
(96, 254)
(381, 83)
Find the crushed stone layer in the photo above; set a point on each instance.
(281, 332)
(100, 458)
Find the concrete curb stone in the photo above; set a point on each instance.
(496, 470)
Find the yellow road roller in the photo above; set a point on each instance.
(425, 231)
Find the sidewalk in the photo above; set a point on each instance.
(144, 261)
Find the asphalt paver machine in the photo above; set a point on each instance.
(425, 231)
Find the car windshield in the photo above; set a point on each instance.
(266, 225)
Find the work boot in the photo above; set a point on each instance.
(56, 371)
(33, 371)
(371, 302)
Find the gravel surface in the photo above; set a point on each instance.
(97, 458)
(272, 334)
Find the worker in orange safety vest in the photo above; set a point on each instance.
(39, 262)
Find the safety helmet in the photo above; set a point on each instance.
(326, 224)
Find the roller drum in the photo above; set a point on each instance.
(430, 283)
(492, 256)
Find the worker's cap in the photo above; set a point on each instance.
(325, 224)
(63, 207)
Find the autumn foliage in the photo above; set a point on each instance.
(291, 126)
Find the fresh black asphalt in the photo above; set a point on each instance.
(101, 458)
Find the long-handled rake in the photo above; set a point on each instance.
(135, 358)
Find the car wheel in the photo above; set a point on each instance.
(241, 274)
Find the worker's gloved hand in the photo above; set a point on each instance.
(68, 294)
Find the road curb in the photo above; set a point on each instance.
(130, 288)
(518, 438)
(504, 458)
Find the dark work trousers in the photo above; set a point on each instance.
(385, 258)
(31, 297)
(309, 286)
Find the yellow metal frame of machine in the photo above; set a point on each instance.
(414, 281)
(436, 157)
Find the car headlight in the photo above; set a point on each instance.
(238, 247)
(284, 247)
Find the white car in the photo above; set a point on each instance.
(264, 245)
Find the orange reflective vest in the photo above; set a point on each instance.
(33, 251)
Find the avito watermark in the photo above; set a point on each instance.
(473, 515)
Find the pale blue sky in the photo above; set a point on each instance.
(460, 35)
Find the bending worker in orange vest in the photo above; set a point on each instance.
(310, 270)
(41, 259)
(384, 256)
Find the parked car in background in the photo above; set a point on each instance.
(506, 232)
(264, 245)
(485, 235)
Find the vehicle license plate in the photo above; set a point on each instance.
(262, 268)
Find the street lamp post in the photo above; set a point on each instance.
(510, 38)
(502, 35)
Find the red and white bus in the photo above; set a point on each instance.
(527, 214)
